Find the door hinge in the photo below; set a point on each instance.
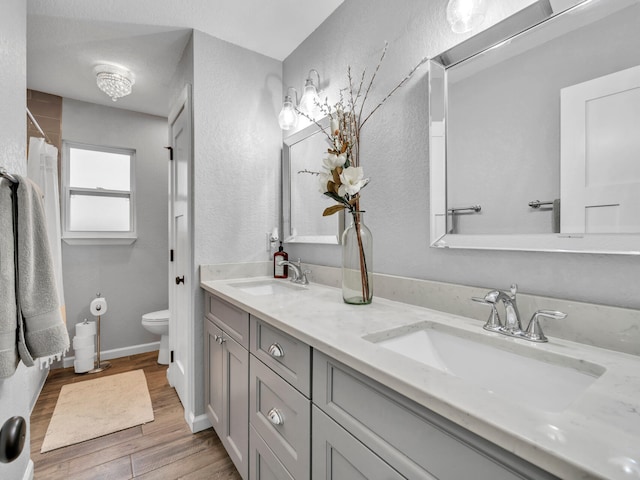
(171, 255)
(170, 152)
(171, 356)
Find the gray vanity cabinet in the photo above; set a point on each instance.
(227, 378)
(414, 441)
(279, 405)
(284, 411)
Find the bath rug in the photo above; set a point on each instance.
(93, 408)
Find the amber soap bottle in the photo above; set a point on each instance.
(280, 271)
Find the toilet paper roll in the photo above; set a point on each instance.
(84, 365)
(85, 329)
(98, 306)
(83, 342)
(83, 352)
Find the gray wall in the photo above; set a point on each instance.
(133, 278)
(394, 155)
(17, 393)
(237, 142)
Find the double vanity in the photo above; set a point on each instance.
(300, 385)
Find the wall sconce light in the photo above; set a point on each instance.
(466, 15)
(310, 99)
(114, 81)
(288, 117)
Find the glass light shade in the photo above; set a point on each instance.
(310, 99)
(288, 117)
(114, 81)
(466, 15)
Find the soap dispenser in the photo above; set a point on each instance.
(280, 271)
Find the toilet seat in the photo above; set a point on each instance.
(159, 316)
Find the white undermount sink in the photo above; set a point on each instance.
(523, 373)
(267, 287)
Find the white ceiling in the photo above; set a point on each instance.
(67, 38)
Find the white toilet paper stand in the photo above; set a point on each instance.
(100, 366)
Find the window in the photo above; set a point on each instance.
(98, 194)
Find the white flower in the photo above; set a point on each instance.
(335, 125)
(333, 161)
(323, 179)
(353, 180)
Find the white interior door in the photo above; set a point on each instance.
(600, 155)
(180, 281)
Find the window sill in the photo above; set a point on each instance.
(99, 240)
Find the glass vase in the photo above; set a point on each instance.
(357, 252)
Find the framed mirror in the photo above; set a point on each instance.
(534, 127)
(302, 201)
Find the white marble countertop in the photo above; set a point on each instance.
(596, 436)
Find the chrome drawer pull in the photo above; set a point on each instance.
(275, 350)
(275, 416)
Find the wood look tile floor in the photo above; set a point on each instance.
(164, 449)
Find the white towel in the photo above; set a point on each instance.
(8, 344)
(40, 329)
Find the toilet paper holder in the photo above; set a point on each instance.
(98, 307)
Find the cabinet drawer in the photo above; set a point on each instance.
(282, 417)
(339, 456)
(229, 318)
(412, 439)
(263, 464)
(288, 357)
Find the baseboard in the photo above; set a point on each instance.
(28, 473)
(119, 352)
(198, 423)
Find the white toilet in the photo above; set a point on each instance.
(158, 323)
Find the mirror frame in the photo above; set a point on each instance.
(288, 236)
(495, 37)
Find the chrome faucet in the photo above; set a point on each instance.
(512, 326)
(299, 274)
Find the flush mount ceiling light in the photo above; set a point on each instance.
(466, 15)
(288, 117)
(116, 82)
(309, 103)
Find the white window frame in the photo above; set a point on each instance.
(97, 237)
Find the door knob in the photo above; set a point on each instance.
(12, 437)
(179, 280)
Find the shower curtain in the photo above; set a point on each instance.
(42, 168)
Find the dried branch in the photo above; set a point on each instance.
(373, 77)
(402, 82)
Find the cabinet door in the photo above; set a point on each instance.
(214, 384)
(336, 455)
(235, 435)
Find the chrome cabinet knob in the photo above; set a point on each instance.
(275, 416)
(275, 350)
(219, 339)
